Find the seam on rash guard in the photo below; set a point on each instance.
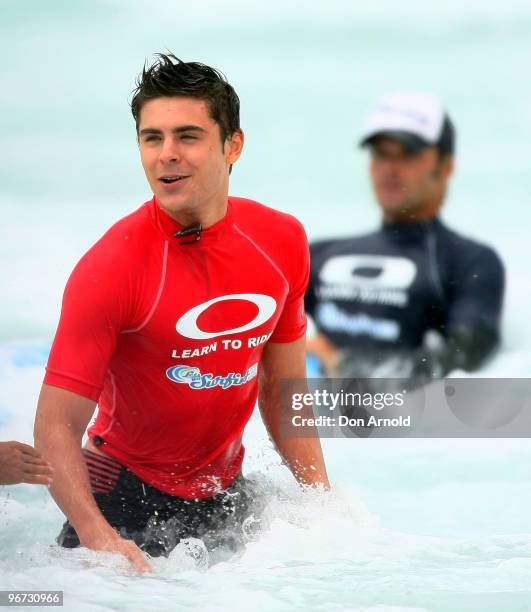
(432, 264)
(159, 293)
(113, 408)
(264, 254)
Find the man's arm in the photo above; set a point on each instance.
(62, 418)
(303, 456)
(475, 308)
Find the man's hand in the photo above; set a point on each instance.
(22, 463)
(109, 541)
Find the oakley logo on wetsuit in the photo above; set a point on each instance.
(367, 278)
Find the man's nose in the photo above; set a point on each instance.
(169, 151)
(391, 166)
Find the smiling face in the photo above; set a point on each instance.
(408, 186)
(186, 164)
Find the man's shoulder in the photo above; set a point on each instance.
(124, 241)
(257, 217)
(347, 245)
(132, 226)
(466, 249)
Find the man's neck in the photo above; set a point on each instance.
(424, 212)
(205, 216)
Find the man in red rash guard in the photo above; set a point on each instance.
(174, 322)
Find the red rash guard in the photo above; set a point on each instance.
(166, 335)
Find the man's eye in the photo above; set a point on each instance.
(188, 137)
(151, 138)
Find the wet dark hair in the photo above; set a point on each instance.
(170, 76)
(446, 142)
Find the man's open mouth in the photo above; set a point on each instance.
(172, 179)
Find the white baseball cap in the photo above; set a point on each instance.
(415, 119)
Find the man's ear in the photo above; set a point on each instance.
(234, 146)
(445, 167)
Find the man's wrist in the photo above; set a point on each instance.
(93, 530)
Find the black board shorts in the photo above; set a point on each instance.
(157, 521)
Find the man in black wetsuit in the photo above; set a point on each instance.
(413, 299)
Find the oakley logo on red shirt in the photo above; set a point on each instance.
(187, 325)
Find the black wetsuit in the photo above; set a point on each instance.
(376, 296)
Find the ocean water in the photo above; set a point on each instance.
(410, 524)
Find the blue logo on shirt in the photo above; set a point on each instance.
(192, 377)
